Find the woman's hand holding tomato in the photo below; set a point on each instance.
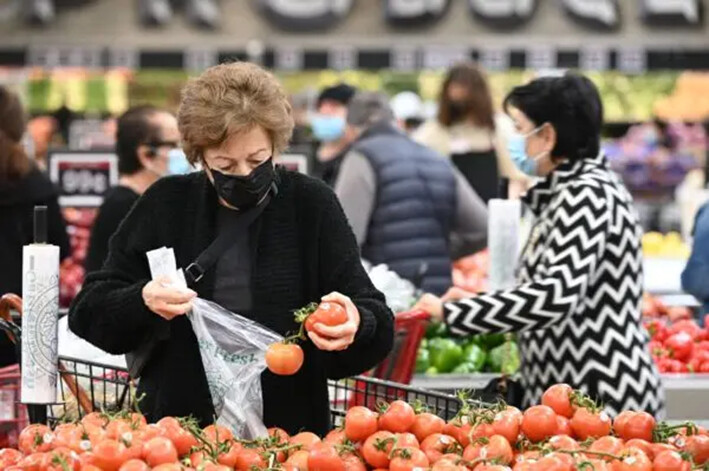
(329, 336)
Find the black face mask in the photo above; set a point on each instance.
(459, 110)
(245, 192)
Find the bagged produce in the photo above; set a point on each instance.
(233, 350)
(400, 294)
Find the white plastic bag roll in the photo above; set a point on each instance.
(503, 242)
(40, 314)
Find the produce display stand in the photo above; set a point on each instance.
(87, 386)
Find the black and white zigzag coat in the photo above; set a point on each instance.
(577, 305)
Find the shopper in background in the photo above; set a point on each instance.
(408, 207)
(695, 277)
(22, 187)
(236, 119)
(147, 144)
(408, 110)
(468, 131)
(329, 128)
(577, 305)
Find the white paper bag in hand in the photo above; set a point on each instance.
(233, 351)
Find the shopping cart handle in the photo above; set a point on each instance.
(415, 315)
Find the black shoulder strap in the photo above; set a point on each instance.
(195, 271)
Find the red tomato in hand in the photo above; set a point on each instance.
(327, 313)
(670, 460)
(558, 397)
(284, 359)
(539, 423)
(159, 450)
(398, 418)
(589, 424)
(360, 423)
(427, 424)
(408, 459)
(377, 447)
(324, 457)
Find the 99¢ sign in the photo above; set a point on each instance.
(83, 177)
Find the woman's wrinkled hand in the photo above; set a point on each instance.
(338, 337)
(431, 304)
(166, 300)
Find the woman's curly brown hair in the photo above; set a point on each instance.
(228, 99)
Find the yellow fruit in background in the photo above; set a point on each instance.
(652, 244)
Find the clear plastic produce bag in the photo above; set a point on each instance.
(233, 350)
(233, 353)
(400, 294)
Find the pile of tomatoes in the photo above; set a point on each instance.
(679, 347)
(566, 432)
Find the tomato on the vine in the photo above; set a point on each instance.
(609, 445)
(406, 440)
(324, 457)
(327, 313)
(558, 397)
(159, 450)
(633, 459)
(248, 459)
(336, 437)
(134, 465)
(399, 417)
(539, 423)
(563, 442)
(641, 444)
(216, 434)
(360, 422)
(299, 459)
(698, 447)
(352, 463)
(438, 444)
(307, 440)
(284, 359)
(35, 438)
(670, 460)
(590, 424)
(408, 459)
(630, 424)
(459, 429)
(507, 423)
(9, 457)
(377, 447)
(110, 454)
(426, 424)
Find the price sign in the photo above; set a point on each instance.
(83, 177)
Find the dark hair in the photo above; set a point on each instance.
(479, 102)
(571, 104)
(135, 128)
(341, 93)
(13, 160)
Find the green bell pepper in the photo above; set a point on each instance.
(474, 356)
(436, 329)
(465, 368)
(423, 360)
(505, 358)
(445, 354)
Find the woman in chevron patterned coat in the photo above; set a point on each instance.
(577, 305)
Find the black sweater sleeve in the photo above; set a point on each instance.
(341, 270)
(109, 311)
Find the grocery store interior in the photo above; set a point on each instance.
(77, 66)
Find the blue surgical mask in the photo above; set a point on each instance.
(517, 147)
(177, 163)
(327, 128)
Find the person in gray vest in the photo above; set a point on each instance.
(408, 207)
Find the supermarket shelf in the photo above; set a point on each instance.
(680, 381)
(449, 382)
